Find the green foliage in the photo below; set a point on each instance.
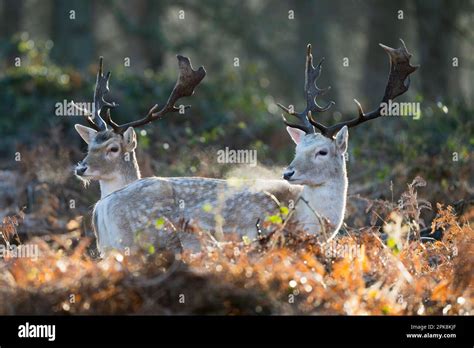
(275, 219)
(159, 223)
(229, 106)
(279, 217)
(232, 107)
(207, 208)
(393, 245)
(443, 130)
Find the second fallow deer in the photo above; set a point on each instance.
(111, 157)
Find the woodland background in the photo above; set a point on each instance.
(236, 107)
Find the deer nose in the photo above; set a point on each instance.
(80, 170)
(288, 174)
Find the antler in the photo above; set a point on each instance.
(101, 89)
(397, 84)
(187, 81)
(311, 93)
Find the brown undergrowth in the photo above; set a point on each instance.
(390, 270)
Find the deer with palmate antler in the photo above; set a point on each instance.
(315, 182)
(111, 157)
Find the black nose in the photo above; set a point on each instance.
(288, 174)
(81, 170)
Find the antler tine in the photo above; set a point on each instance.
(187, 81)
(305, 127)
(398, 83)
(312, 91)
(400, 70)
(87, 114)
(101, 89)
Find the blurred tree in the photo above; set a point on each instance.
(383, 26)
(242, 25)
(10, 23)
(140, 22)
(315, 21)
(11, 17)
(436, 24)
(71, 32)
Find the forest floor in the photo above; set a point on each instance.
(391, 268)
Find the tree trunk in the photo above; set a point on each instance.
(315, 23)
(11, 17)
(435, 24)
(383, 27)
(72, 34)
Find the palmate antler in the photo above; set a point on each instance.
(311, 93)
(397, 84)
(100, 104)
(187, 81)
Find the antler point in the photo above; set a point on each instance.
(359, 107)
(101, 65)
(385, 47)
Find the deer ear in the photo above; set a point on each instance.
(130, 138)
(295, 134)
(342, 139)
(86, 133)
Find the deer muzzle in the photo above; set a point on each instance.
(288, 173)
(81, 168)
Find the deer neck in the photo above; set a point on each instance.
(127, 173)
(328, 200)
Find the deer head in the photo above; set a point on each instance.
(110, 155)
(318, 159)
(111, 147)
(320, 156)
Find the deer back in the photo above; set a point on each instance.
(150, 205)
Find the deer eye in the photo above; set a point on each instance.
(322, 152)
(114, 149)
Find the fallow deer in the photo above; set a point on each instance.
(315, 182)
(111, 155)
